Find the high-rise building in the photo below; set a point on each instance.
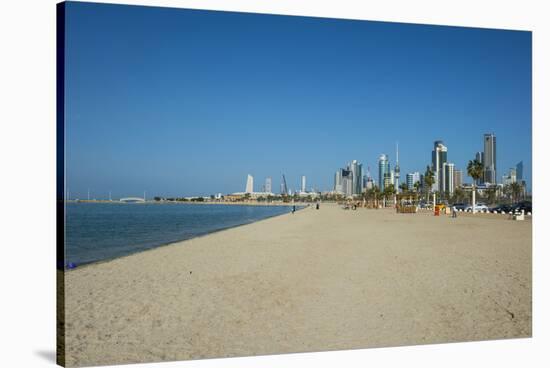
(268, 184)
(383, 171)
(519, 172)
(368, 182)
(396, 169)
(448, 178)
(338, 181)
(347, 183)
(303, 187)
(490, 158)
(357, 175)
(457, 180)
(343, 182)
(249, 184)
(511, 177)
(412, 178)
(439, 157)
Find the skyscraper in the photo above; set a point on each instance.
(396, 169)
(347, 183)
(268, 184)
(439, 157)
(511, 177)
(249, 184)
(303, 187)
(338, 181)
(357, 176)
(490, 158)
(412, 178)
(448, 178)
(457, 180)
(383, 171)
(519, 172)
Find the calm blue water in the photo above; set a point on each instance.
(100, 231)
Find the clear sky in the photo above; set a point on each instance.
(183, 102)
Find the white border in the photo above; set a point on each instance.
(27, 183)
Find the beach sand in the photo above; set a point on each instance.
(312, 281)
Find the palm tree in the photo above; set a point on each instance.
(376, 192)
(515, 189)
(416, 186)
(404, 187)
(475, 170)
(429, 181)
(458, 194)
(389, 191)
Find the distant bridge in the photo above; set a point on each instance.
(132, 199)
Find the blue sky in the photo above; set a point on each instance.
(183, 102)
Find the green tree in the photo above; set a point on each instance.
(389, 191)
(417, 187)
(475, 171)
(515, 190)
(429, 180)
(491, 195)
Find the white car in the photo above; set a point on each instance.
(480, 207)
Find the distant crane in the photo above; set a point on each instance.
(285, 188)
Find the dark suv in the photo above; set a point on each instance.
(524, 206)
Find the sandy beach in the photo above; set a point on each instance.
(309, 281)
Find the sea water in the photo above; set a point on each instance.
(102, 231)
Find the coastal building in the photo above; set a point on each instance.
(396, 169)
(448, 178)
(412, 178)
(457, 180)
(338, 181)
(249, 184)
(383, 171)
(490, 158)
(519, 171)
(439, 157)
(349, 181)
(303, 187)
(388, 180)
(369, 184)
(511, 177)
(268, 185)
(348, 184)
(357, 174)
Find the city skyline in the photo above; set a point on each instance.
(152, 116)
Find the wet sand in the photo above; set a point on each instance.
(312, 281)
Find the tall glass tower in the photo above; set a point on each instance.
(357, 180)
(396, 169)
(383, 170)
(519, 172)
(439, 157)
(490, 158)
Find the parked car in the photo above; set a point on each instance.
(480, 207)
(460, 206)
(501, 207)
(524, 206)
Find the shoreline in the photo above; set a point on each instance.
(176, 242)
(267, 204)
(313, 281)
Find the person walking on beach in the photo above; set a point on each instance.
(317, 206)
(454, 212)
(293, 209)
